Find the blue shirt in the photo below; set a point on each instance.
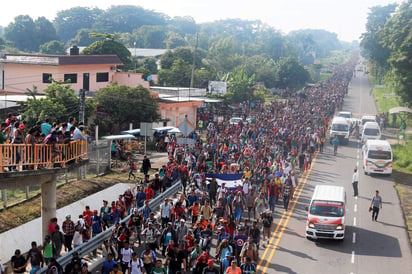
(107, 266)
(140, 198)
(96, 224)
(192, 199)
(45, 128)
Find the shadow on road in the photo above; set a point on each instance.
(368, 243)
(279, 269)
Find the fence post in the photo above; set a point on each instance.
(27, 192)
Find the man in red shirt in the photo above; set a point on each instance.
(149, 192)
(87, 215)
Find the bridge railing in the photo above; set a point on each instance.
(97, 241)
(39, 156)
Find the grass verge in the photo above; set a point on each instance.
(402, 162)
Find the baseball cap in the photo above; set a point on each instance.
(228, 253)
(210, 261)
(68, 216)
(22, 126)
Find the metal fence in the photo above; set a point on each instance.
(99, 157)
(96, 242)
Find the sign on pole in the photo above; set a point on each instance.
(146, 131)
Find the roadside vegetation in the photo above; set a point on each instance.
(402, 161)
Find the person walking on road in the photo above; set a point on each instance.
(376, 204)
(146, 165)
(355, 180)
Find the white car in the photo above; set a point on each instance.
(235, 120)
(345, 114)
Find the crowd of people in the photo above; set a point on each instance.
(14, 130)
(269, 151)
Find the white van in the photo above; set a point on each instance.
(377, 157)
(370, 131)
(326, 214)
(345, 114)
(367, 118)
(340, 127)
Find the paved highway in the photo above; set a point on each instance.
(369, 247)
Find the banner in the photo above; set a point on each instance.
(232, 180)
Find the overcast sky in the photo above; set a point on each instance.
(346, 18)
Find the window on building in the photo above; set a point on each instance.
(70, 78)
(102, 77)
(47, 78)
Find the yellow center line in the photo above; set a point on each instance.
(286, 215)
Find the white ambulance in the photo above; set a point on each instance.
(326, 213)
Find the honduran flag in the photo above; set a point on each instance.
(232, 180)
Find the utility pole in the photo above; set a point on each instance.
(194, 62)
(82, 98)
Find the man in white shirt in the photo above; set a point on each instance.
(165, 209)
(355, 180)
(125, 257)
(221, 192)
(136, 265)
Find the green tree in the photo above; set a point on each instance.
(83, 38)
(182, 25)
(149, 63)
(150, 37)
(117, 106)
(178, 75)
(397, 37)
(53, 47)
(225, 54)
(110, 45)
(291, 74)
(239, 86)
(22, 33)
(371, 42)
(59, 104)
(69, 22)
(45, 31)
(174, 40)
(126, 18)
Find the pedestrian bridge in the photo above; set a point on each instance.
(20, 157)
(23, 165)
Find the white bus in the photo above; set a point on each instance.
(377, 157)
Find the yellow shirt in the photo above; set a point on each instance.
(247, 174)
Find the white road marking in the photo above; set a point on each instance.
(355, 207)
(356, 197)
(354, 237)
(352, 259)
(357, 156)
(354, 221)
(357, 163)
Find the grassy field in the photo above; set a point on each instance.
(402, 161)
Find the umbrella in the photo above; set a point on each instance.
(174, 130)
(400, 110)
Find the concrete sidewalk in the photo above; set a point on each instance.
(22, 236)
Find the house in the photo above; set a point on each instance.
(84, 72)
(19, 72)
